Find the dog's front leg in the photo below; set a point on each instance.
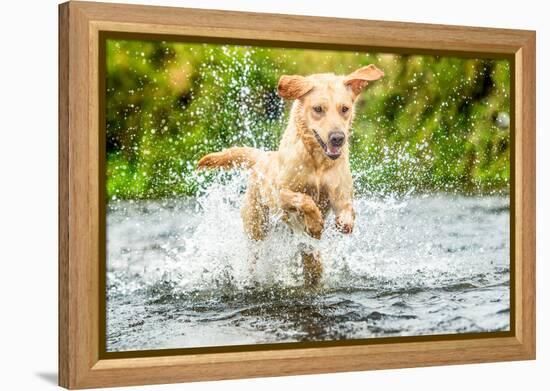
(294, 201)
(345, 214)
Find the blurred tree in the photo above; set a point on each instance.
(432, 124)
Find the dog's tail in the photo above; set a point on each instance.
(236, 157)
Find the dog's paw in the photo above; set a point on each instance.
(314, 225)
(345, 228)
(344, 222)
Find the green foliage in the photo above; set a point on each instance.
(429, 125)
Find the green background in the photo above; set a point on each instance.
(432, 124)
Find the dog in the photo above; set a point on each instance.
(309, 175)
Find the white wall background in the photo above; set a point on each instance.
(28, 166)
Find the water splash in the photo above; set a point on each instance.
(198, 245)
(179, 271)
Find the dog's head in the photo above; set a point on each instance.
(326, 104)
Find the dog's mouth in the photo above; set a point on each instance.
(331, 151)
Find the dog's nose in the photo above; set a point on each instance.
(336, 139)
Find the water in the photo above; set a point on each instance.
(178, 274)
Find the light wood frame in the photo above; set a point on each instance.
(80, 24)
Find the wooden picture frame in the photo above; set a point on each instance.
(81, 24)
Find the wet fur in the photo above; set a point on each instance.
(299, 181)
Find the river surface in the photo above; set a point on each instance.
(178, 273)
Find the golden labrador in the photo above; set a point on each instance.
(309, 174)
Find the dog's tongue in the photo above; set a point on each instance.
(333, 150)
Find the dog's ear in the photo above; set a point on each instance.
(360, 78)
(293, 87)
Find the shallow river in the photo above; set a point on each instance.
(178, 273)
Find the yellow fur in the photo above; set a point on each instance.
(299, 178)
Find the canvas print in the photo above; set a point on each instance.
(265, 195)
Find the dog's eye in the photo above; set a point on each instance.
(345, 109)
(318, 109)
